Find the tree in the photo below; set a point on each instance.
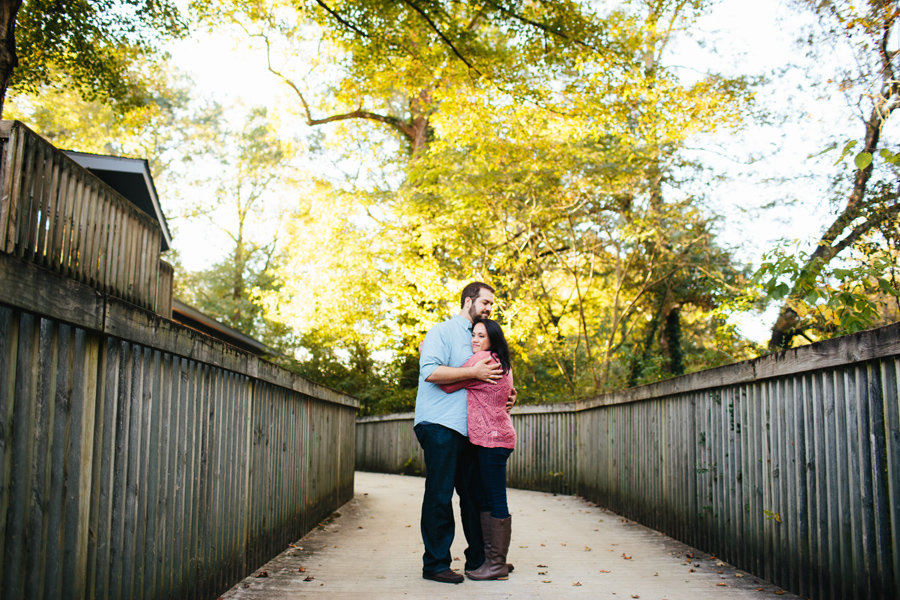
(868, 198)
(239, 179)
(528, 144)
(93, 45)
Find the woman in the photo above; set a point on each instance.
(491, 431)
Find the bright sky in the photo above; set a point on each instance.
(737, 39)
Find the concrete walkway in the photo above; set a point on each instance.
(562, 546)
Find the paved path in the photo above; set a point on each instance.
(562, 546)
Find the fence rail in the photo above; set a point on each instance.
(787, 466)
(59, 216)
(141, 459)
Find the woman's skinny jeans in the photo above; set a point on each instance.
(492, 465)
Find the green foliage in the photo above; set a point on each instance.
(832, 299)
(96, 47)
(537, 146)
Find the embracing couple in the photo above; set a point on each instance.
(462, 423)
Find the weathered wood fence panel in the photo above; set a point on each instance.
(787, 466)
(57, 215)
(387, 444)
(141, 459)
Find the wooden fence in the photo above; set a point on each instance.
(141, 459)
(57, 215)
(787, 466)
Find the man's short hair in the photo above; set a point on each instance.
(472, 291)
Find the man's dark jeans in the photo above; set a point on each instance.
(450, 462)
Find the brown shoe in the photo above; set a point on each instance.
(445, 576)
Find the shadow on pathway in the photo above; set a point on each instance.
(562, 546)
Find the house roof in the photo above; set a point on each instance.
(193, 318)
(131, 178)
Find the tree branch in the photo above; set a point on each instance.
(864, 227)
(341, 20)
(437, 30)
(541, 26)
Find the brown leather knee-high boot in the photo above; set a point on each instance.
(495, 566)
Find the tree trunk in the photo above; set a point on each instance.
(788, 323)
(9, 9)
(672, 341)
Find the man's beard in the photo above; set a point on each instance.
(473, 313)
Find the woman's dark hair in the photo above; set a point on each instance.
(498, 342)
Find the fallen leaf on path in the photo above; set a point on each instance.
(721, 584)
(780, 592)
(587, 548)
(542, 572)
(546, 580)
(692, 570)
(626, 557)
(302, 569)
(602, 571)
(407, 525)
(738, 574)
(262, 574)
(562, 543)
(576, 583)
(760, 590)
(635, 596)
(719, 572)
(309, 578)
(542, 566)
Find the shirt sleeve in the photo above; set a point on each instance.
(435, 353)
(466, 383)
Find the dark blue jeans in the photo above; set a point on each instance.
(492, 464)
(450, 462)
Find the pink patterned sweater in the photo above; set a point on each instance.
(488, 422)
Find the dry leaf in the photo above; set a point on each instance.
(562, 543)
(780, 592)
(635, 596)
(546, 580)
(738, 574)
(721, 584)
(692, 570)
(302, 569)
(407, 525)
(262, 574)
(626, 557)
(587, 548)
(719, 572)
(576, 583)
(760, 590)
(542, 572)
(602, 571)
(309, 578)
(542, 566)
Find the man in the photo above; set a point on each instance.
(440, 426)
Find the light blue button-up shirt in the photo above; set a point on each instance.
(446, 344)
